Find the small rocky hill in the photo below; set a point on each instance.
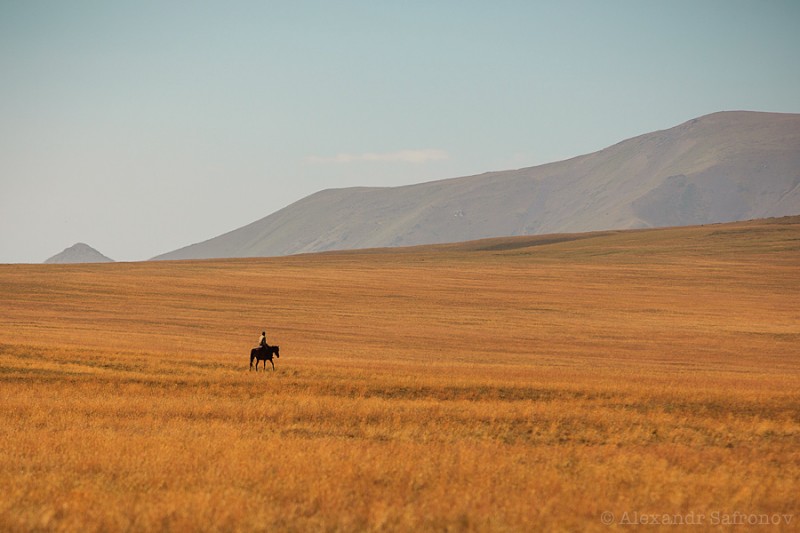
(79, 253)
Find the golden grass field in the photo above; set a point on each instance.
(553, 383)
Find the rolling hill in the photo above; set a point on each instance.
(722, 167)
(532, 383)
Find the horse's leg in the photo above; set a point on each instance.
(273, 364)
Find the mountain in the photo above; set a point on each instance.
(79, 253)
(722, 167)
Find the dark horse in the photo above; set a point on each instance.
(263, 353)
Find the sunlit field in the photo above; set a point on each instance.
(560, 383)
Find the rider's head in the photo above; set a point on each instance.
(263, 332)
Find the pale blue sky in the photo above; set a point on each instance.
(140, 127)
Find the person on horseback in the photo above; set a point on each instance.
(264, 352)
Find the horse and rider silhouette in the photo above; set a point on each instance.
(263, 352)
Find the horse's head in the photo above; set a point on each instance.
(277, 351)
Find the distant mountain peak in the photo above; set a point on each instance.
(79, 253)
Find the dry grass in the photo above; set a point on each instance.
(515, 384)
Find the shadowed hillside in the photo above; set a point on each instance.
(718, 168)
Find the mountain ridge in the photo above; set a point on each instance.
(722, 167)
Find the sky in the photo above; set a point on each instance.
(142, 127)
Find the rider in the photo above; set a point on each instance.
(262, 342)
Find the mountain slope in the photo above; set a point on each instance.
(722, 167)
(79, 253)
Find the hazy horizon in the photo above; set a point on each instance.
(141, 128)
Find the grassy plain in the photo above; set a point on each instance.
(537, 383)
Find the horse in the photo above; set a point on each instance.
(264, 353)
